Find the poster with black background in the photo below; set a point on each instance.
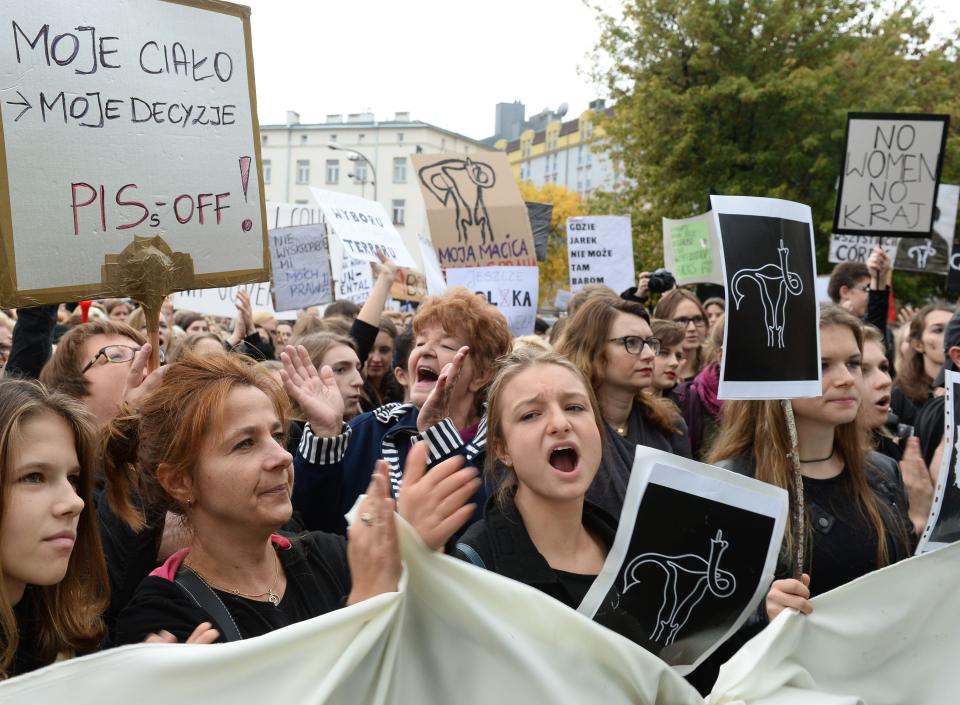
(943, 526)
(771, 345)
(694, 554)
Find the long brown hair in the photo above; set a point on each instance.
(68, 614)
(584, 341)
(911, 375)
(667, 306)
(745, 423)
(170, 429)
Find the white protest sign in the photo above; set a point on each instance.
(301, 266)
(288, 215)
(363, 227)
(691, 250)
(890, 172)
(514, 290)
(123, 119)
(356, 280)
(562, 299)
(436, 284)
(220, 301)
(600, 251)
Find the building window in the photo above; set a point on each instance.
(399, 138)
(399, 208)
(303, 139)
(360, 138)
(332, 139)
(266, 171)
(263, 140)
(303, 171)
(443, 144)
(360, 171)
(399, 170)
(333, 171)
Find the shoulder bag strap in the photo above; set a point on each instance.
(209, 602)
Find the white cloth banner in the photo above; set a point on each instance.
(456, 633)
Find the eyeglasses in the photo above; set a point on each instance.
(115, 353)
(698, 321)
(861, 287)
(633, 344)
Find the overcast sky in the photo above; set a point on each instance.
(447, 62)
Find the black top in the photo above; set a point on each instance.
(26, 658)
(318, 581)
(576, 584)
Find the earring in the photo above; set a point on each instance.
(190, 503)
(508, 463)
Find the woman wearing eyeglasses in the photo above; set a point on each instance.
(683, 307)
(611, 341)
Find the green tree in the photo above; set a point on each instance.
(749, 97)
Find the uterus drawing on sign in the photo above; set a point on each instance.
(459, 184)
(775, 283)
(688, 579)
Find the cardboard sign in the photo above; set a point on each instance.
(356, 280)
(514, 290)
(943, 525)
(476, 214)
(123, 120)
(771, 339)
(682, 593)
(412, 288)
(691, 250)
(301, 266)
(600, 251)
(540, 215)
(220, 301)
(436, 284)
(889, 175)
(362, 227)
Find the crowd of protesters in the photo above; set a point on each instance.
(204, 501)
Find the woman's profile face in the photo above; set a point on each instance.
(876, 386)
(345, 364)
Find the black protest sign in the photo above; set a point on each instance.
(771, 345)
(943, 525)
(540, 215)
(889, 174)
(694, 553)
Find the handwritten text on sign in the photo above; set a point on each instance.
(514, 290)
(301, 266)
(221, 301)
(890, 174)
(600, 250)
(356, 280)
(124, 119)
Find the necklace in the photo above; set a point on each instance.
(270, 594)
(621, 430)
(818, 460)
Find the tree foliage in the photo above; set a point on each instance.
(749, 97)
(554, 272)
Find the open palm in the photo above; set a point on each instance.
(317, 395)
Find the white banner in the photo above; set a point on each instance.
(220, 301)
(363, 227)
(436, 284)
(356, 280)
(600, 251)
(513, 290)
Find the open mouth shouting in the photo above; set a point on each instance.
(427, 375)
(565, 459)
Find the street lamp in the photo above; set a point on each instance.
(357, 155)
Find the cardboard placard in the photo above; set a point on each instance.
(682, 593)
(600, 251)
(123, 120)
(514, 290)
(301, 266)
(691, 250)
(771, 338)
(476, 214)
(436, 284)
(220, 301)
(943, 524)
(412, 288)
(356, 280)
(889, 174)
(362, 227)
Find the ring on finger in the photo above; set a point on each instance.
(368, 519)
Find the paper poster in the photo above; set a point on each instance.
(412, 288)
(691, 250)
(681, 593)
(356, 280)
(943, 525)
(301, 266)
(514, 290)
(771, 340)
(476, 214)
(124, 120)
(363, 227)
(562, 300)
(889, 175)
(600, 251)
(436, 284)
(540, 215)
(221, 301)
(288, 215)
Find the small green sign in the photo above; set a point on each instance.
(691, 250)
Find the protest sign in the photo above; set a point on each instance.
(562, 299)
(436, 284)
(356, 280)
(513, 290)
(943, 524)
(301, 266)
(130, 150)
(540, 215)
(691, 250)
(600, 251)
(413, 286)
(476, 214)
(771, 339)
(288, 215)
(684, 592)
(362, 227)
(220, 301)
(889, 174)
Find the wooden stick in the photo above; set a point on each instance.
(151, 310)
(798, 510)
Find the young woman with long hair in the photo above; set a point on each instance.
(683, 307)
(856, 508)
(668, 361)
(379, 386)
(924, 359)
(609, 339)
(698, 399)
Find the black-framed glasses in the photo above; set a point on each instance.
(115, 353)
(698, 321)
(861, 287)
(633, 344)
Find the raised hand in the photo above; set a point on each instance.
(317, 395)
(789, 593)
(437, 406)
(435, 503)
(203, 634)
(387, 268)
(138, 383)
(244, 324)
(373, 551)
(918, 484)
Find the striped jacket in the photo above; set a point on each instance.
(330, 473)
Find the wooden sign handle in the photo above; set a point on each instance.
(151, 310)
